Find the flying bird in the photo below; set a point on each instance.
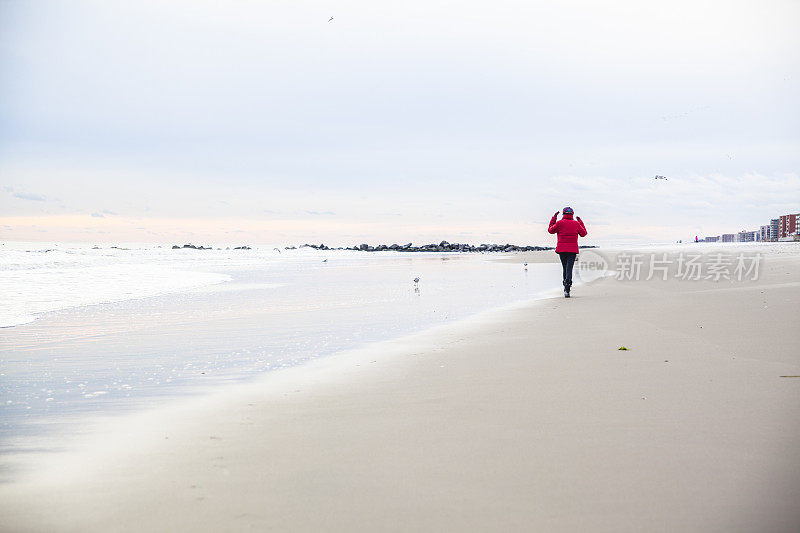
(330, 19)
(660, 177)
(416, 280)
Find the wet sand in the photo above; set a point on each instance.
(527, 418)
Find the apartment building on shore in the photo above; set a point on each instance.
(787, 227)
(784, 228)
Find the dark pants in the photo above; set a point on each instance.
(567, 262)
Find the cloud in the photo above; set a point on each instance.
(402, 123)
(29, 196)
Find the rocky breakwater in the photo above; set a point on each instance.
(193, 247)
(443, 246)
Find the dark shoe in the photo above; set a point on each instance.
(566, 292)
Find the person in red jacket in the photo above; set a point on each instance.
(568, 231)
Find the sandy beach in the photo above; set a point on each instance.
(523, 419)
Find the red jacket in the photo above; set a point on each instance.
(568, 231)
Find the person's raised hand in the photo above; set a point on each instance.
(556, 214)
(578, 218)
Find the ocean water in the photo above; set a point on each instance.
(104, 331)
(36, 279)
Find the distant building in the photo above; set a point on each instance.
(763, 233)
(746, 236)
(787, 225)
(711, 239)
(728, 237)
(773, 229)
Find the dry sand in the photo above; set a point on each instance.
(525, 419)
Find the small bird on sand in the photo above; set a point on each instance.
(324, 260)
(416, 280)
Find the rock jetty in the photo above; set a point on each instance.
(443, 246)
(193, 247)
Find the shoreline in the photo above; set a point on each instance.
(326, 369)
(505, 423)
(16, 458)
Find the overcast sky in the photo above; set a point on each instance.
(262, 122)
